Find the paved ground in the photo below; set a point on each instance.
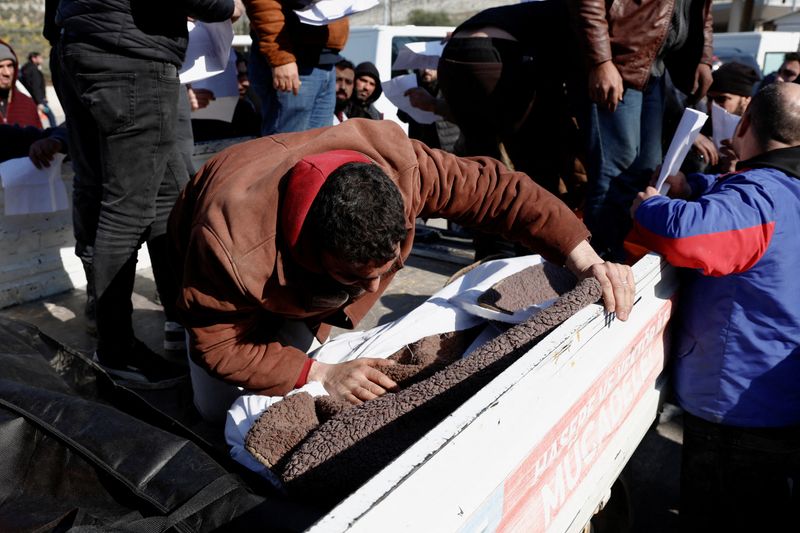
(653, 471)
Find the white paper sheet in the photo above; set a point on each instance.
(395, 89)
(208, 50)
(326, 11)
(419, 55)
(225, 87)
(688, 129)
(723, 124)
(31, 190)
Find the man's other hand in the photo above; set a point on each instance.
(355, 381)
(199, 98)
(702, 81)
(286, 78)
(616, 281)
(42, 151)
(238, 10)
(421, 99)
(706, 148)
(605, 85)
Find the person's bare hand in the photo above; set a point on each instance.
(199, 98)
(649, 192)
(238, 10)
(616, 280)
(678, 184)
(355, 381)
(605, 85)
(702, 81)
(421, 99)
(706, 148)
(727, 157)
(286, 78)
(42, 151)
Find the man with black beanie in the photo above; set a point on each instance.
(731, 89)
(366, 92)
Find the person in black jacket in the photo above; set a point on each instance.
(32, 78)
(366, 92)
(120, 88)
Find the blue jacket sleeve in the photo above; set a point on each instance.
(700, 183)
(723, 232)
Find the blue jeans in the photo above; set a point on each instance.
(739, 479)
(122, 114)
(623, 151)
(283, 112)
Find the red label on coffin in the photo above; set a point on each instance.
(535, 493)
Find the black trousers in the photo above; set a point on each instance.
(121, 115)
(739, 479)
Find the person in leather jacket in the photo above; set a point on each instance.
(629, 48)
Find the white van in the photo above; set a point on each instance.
(380, 45)
(767, 47)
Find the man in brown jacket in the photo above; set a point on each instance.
(629, 45)
(276, 237)
(292, 65)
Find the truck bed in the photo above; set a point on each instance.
(540, 446)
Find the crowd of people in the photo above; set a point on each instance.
(547, 110)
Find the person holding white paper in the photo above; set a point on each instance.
(731, 90)
(629, 49)
(737, 341)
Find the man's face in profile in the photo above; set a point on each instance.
(732, 103)
(429, 75)
(344, 83)
(365, 86)
(242, 78)
(357, 279)
(788, 71)
(6, 74)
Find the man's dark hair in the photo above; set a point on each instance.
(358, 214)
(791, 56)
(345, 64)
(775, 115)
(32, 55)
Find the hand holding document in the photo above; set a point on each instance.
(395, 90)
(723, 124)
(31, 190)
(688, 129)
(208, 50)
(225, 87)
(420, 55)
(323, 12)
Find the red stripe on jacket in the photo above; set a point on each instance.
(716, 254)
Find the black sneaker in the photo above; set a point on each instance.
(142, 365)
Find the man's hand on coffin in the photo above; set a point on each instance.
(355, 381)
(616, 281)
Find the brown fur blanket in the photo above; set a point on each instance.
(325, 449)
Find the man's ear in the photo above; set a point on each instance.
(743, 126)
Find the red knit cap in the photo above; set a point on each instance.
(304, 183)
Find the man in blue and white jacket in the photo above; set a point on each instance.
(737, 345)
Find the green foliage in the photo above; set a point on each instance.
(421, 17)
